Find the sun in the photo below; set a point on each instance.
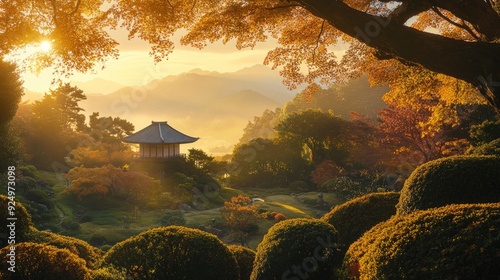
(45, 46)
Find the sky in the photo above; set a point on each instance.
(135, 67)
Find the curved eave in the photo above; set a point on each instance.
(159, 133)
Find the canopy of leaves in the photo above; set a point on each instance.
(240, 214)
(266, 161)
(464, 44)
(110, 181)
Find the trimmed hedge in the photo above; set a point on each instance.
(82, 249)
(174, 252)
(39, 261)
(356, 216)
(459, 241)
(490, 148)
(296, 248)
(23, 223)
(453, 180)
(245, 258)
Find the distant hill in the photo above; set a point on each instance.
(210, 105)
(97, 85)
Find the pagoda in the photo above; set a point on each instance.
(159, 141)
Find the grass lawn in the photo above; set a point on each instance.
(103, 217)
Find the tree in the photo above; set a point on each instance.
(54, 127)
(109, 130)
(11, 92)
(240, 214)
(465, 44)
(110, 181)
(323, 133)
(267, 161)
(377, 24)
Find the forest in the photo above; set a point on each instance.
(318, 188)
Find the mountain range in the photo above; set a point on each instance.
(213, 106)
(210, 105)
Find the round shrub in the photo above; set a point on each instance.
(174, 252)
(453, 180)
(356, 216)
(245, 258)
(22, 224)
(458, 241)
(91, 255)
(296, 249)
(39, 261)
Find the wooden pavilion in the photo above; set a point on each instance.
(159, 141)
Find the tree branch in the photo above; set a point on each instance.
(318, 40)
(474, 62)
(78, 2)
(462, 26)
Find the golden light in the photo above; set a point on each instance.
(45, 46)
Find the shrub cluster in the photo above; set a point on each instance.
(356, 216)
(453, 242)
(453, 180)
(40, 261)
(174, 252)
(296, 248)
(23, 222)
(245, 258)
(91, 255)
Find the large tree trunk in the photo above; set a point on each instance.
(475, 62)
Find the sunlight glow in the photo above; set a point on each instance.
(45, 46)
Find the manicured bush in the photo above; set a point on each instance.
(356, 216)
(174, 252)
(22, 223)
(296, 248)
(453, 180)
(91, 255)
(245, 258)
(108, 273)
(458, 241)
(39, 261)
(490, 148)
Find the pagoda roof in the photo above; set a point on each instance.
(158, 133)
